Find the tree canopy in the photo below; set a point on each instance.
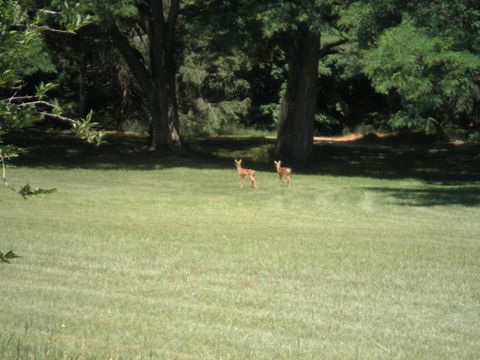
(185, 67)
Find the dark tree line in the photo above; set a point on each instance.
(297, 67)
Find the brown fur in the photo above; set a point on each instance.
(283, 172)
(245, 172)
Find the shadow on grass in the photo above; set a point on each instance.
(58, 149)
(431, 162)
(446, 195)
(436, 163)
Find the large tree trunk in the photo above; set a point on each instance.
(297, 111)
(160, 138)
(156, 75)
(163, 70)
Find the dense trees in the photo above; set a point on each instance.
(289, 66)
(425, 53)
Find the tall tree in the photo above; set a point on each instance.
(145, 34)
(307, 31)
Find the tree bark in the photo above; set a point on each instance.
(156, 75)
(173, 122)
(298, 105)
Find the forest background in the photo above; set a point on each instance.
(178, 69)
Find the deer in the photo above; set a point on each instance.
(245, 172)
(283, 172)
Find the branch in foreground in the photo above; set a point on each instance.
(55, 31)
(21, 99)
(57, 117)
(38, 102)
(3, 159)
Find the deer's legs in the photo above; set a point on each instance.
(253, 183)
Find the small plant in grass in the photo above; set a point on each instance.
(5, 258)
(27, 190)
(7, 153)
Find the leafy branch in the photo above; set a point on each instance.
(85, 129)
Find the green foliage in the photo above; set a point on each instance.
(107, 10)
(134, 126)
(433, 79)
(455, 21)
(8, 152)
(421, 56)
(68, 15)
(27, 191)
(325, 123)
(475, 136)
(14, 117)
(280, 17)
(214, 119)
(21, 45)
(42, 89)
(408, 120)
(365, 20)
(24, 54)
(214, 96)
(84, 128)
(271, 110)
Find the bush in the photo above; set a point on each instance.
(207, 119)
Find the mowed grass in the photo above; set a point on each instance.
(167, 258)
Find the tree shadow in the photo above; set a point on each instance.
(60, 150)
(436, 163)
(446, 195)
(440, 163)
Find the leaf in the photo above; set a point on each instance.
(6, 257)
(11, 255)
(27, 190)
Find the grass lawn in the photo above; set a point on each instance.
(373, 253)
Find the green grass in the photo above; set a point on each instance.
(373, 253)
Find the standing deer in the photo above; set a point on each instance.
(245, 172)
(283, 172)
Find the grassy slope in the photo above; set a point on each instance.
(154, 260)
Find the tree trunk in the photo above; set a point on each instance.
(158, 108)
(297, 111)
(156, 75)
(173, 122)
